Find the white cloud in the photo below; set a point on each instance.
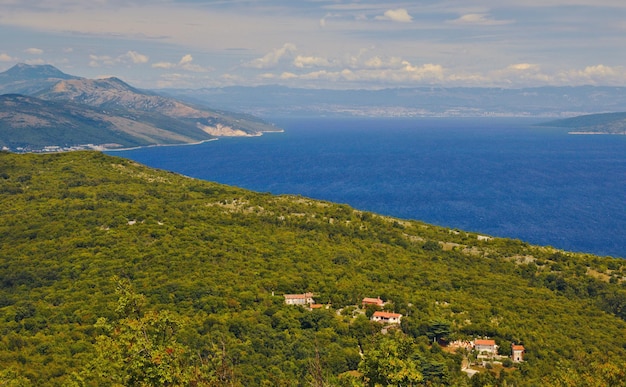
(323, 21)
(100, 60)
(402, 72)
(317, 75)
(232, 78)
(395, 72)
(482, 19)
(426, 71)
(184, 64)
(517, 74)
(6, 58)
(164, 65)
(185, 60)
(523, 67)
(594, 75)
(34, 51)
(329, 35)
(599, 70)
(527, 74)
(377, 62)
(130, 57)
(134, 57)
(35, 61)
(272, 58)
(399, 15)
(310, 61)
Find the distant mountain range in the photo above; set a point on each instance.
(272, 101)
(43, 108)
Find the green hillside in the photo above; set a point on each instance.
(28, 123)
(112, 273)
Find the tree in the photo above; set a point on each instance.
(438, 329)
(391, 361)
(141, 349)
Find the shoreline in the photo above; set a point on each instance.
(597, 133)
(108, 147)
(104, 149)
(156, 145)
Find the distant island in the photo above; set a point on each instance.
(604, 123)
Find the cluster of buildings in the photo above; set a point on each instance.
(306, 299)
(486, 348)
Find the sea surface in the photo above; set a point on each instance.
(501, 177)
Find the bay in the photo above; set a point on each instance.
(501, 177)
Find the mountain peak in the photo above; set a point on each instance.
(29, 79)
(23, 71)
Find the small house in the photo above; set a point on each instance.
(299, 299)
(386, 317)
(372, 301)
(517, 353)
(488, 347)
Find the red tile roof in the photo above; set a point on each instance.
(518, 347)
(370, 300)
(484, 342)
(387, 314)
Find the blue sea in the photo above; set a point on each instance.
(501, 177)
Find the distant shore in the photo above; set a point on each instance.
(595, 133)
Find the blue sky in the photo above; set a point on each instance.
(322, 43)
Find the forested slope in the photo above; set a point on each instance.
(112, 273)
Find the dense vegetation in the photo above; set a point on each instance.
(112, 273)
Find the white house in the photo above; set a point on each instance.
(299, 299)
(517, 353)
(386, 317)
(488, 347)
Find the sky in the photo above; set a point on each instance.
(322, 43)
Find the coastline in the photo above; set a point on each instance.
(105, 149)
(597, 133)
(156, 145)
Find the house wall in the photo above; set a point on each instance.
(485, 348)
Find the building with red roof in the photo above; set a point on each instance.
(386, 317)
(517, 353)
(372, 301)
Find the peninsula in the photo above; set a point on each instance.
(44, 109)
(603, 123)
